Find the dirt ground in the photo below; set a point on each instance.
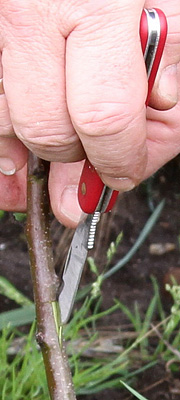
(133, 282)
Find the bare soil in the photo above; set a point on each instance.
(133, 282)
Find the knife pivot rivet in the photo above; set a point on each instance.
(83, 188)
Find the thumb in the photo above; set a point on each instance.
(165, 92)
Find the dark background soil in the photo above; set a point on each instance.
(133, 282)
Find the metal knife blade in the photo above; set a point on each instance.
(73, 268)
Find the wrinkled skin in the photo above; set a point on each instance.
(74, 84)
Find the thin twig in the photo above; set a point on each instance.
(45, 283)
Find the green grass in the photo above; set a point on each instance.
(131, 390)
(96, 362)
(22, 372)
(99, 358)
(22, 375)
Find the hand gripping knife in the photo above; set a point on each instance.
(94, 197)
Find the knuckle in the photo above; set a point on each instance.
(6, 129)
(106, 120)
(47, 139)
(15, 14)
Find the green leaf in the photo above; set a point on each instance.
(19, 216)
(136, 394)
(8, 290)
(113, 247)
(140, 240)
(2, 213)
(93, 266)
(18, 317)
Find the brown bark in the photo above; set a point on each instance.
(45, 283)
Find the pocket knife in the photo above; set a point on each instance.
(95, 197)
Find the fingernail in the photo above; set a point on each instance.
(1, 86)
(7, 166)
(168, 84)
(69, 205)
(122, 184)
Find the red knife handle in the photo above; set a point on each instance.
(90, 185)
(161, 43)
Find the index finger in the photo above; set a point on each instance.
(107, 106)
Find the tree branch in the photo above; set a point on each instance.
(45, 283)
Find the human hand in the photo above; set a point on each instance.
(75, 83)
